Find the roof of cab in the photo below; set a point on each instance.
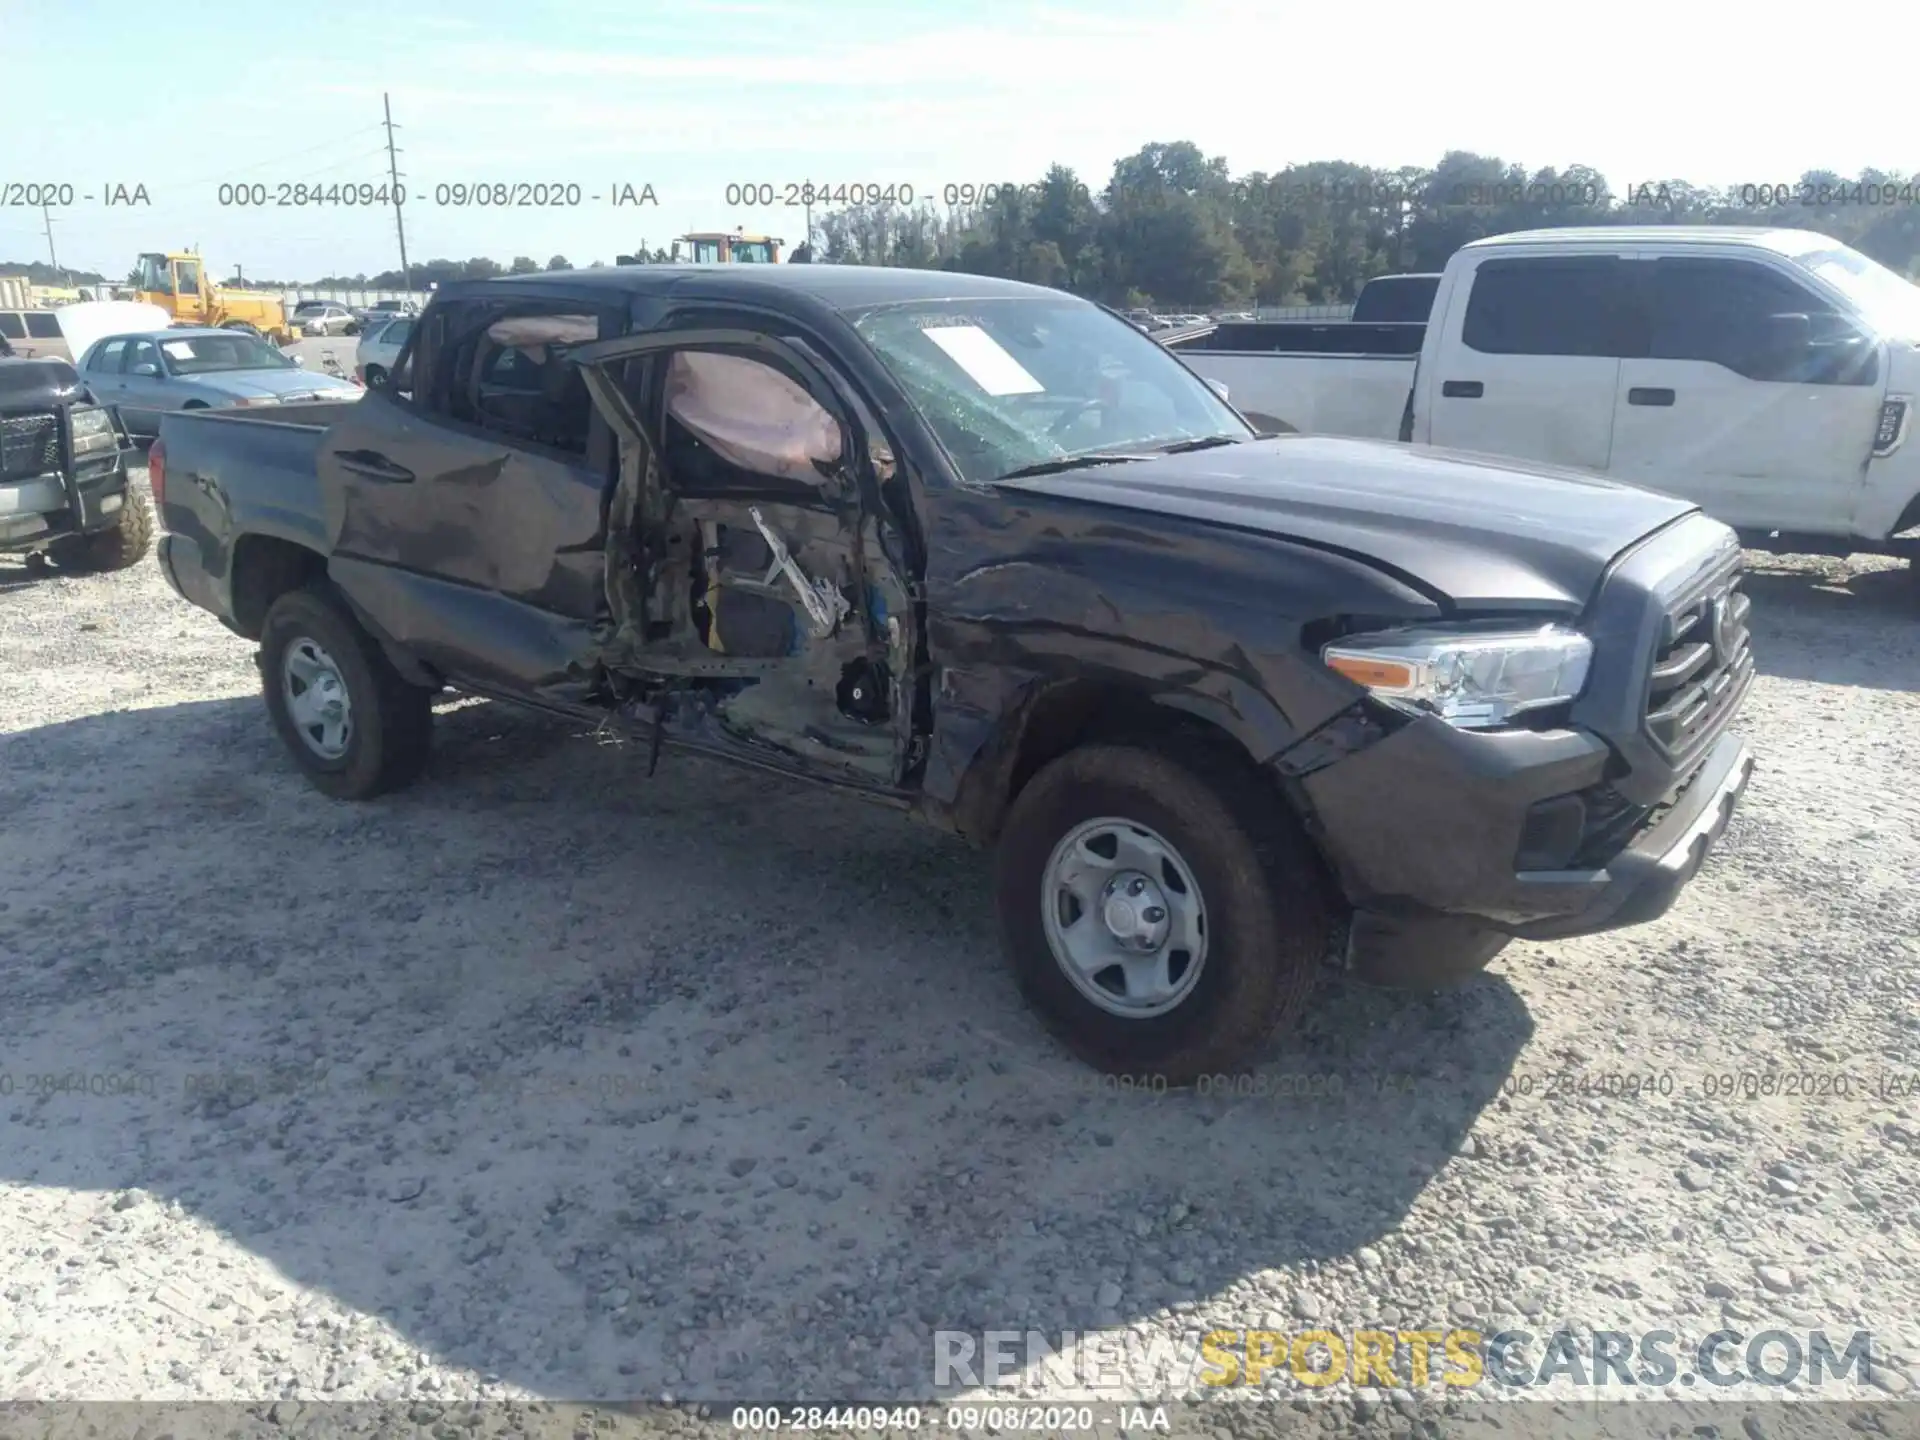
(838, 287)
(1787, 242)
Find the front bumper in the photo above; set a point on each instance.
(38, 511)
(1429, 830)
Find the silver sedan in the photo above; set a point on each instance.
(145, 375)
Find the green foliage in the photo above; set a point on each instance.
(38, 272)
(1172, 228)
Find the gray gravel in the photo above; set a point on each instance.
(545, 1079)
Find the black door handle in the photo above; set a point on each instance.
(374, 466)
(1462, 389)
(1645, 395)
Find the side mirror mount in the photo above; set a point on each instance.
(1219, 387)
(1783, 346)
(145, 368)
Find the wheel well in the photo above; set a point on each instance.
(194, 405)
(264, 569)
(1064, 717)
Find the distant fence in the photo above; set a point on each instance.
(1263, 312)
(1303, 312)
(355, 297)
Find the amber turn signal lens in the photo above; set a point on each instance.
(1374, 674)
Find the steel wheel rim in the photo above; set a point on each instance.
(317, 700)
(1124, 918)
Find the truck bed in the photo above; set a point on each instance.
(1355, 395)
(228, 473)
(1289, 337)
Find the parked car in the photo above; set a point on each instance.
(983, 553)
(323, 317)
(63, 472)
(145, 375)
(1766, 375)
(379, 347)
(34, 334)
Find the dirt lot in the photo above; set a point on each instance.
(545, 1079)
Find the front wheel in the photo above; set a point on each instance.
(1164, 914)
(348, 718)
(119, 548)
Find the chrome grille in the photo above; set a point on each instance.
(29, 445)
(1700, 668)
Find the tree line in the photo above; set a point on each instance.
(1173, 228)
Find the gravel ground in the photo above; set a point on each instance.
(543, 1079)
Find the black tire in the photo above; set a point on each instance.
(1267, 900)
(373, 375)
(120, 548)
(392, 720)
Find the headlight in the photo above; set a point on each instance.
(92, 430)
(255, 400)
(1473, 678)
(90, 420)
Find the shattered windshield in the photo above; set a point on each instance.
(1009, 384)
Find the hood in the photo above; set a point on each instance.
(1482, 531)
(36, 384)
(269, 382)
(87, 322)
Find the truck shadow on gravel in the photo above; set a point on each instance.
(606, 1086)
(1833, 625)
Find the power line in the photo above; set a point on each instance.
(227, 172)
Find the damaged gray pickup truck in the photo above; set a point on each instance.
(1227, 706)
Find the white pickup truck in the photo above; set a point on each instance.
(1766, 375)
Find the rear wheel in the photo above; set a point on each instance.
(374, 375)
(118, 548)
(1162, 913)
(348, 718)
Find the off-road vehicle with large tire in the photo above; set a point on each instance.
(64, 494)
(1228, 707)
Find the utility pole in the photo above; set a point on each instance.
(393, 175)
(46, 217)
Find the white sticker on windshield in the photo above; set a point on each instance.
(985, 361)
(178, 349)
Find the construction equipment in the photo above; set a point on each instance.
(178, 283)
(728, 247)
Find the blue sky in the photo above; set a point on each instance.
(689, 95)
